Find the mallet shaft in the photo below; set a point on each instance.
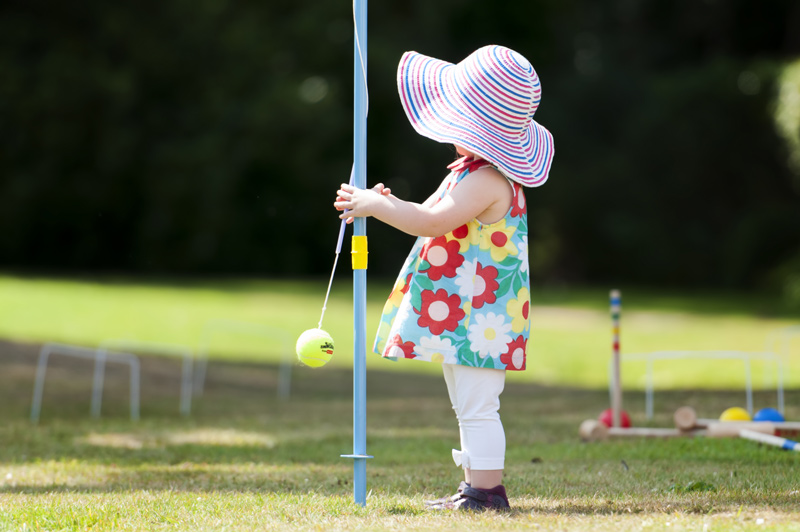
(769, 439)
(591, 430)
(616, 384)
(732, 428)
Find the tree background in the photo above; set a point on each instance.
(208, 137)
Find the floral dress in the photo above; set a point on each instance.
(464, 297)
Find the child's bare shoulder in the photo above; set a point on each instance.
(489, 177)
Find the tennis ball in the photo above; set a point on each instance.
(735, 413)
(314, 348)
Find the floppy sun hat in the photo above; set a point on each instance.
(485, 104)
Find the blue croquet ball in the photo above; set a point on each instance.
(768, 414)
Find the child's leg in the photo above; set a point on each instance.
(475, 395)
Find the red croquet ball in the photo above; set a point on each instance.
(607, 418)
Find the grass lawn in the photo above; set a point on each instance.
(246, 460)
(570, 343)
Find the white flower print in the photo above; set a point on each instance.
(404, 312)
(394, 351)
(436, 348)
(465, 278)
(487, 334)
(523, 254)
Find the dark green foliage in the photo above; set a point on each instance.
(209, 136)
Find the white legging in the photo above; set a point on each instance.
(475, 394)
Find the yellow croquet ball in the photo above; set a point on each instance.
(314, 348)
(735, 413)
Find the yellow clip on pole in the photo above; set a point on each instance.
(359, 252)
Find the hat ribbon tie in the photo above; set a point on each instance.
(467, 162)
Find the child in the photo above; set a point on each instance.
(462, 297)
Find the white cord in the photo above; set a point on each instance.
(341, 230)
(342, 226)
(328, 293)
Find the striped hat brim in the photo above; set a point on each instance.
(438, 110)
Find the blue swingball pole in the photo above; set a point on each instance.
(359, 257)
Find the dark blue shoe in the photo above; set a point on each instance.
(480, 500)
(449, 499)
(473, 499)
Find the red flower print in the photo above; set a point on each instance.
(407, 285)
(519, 207)
(403, 289)
(499, 238)
(485, 286)
(440, 311)
(514, 357)
(461, 232)
(396, 343)
(443, 258)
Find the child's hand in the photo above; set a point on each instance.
(357, 202)
(382, 190)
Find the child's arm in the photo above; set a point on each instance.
(484, 194)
